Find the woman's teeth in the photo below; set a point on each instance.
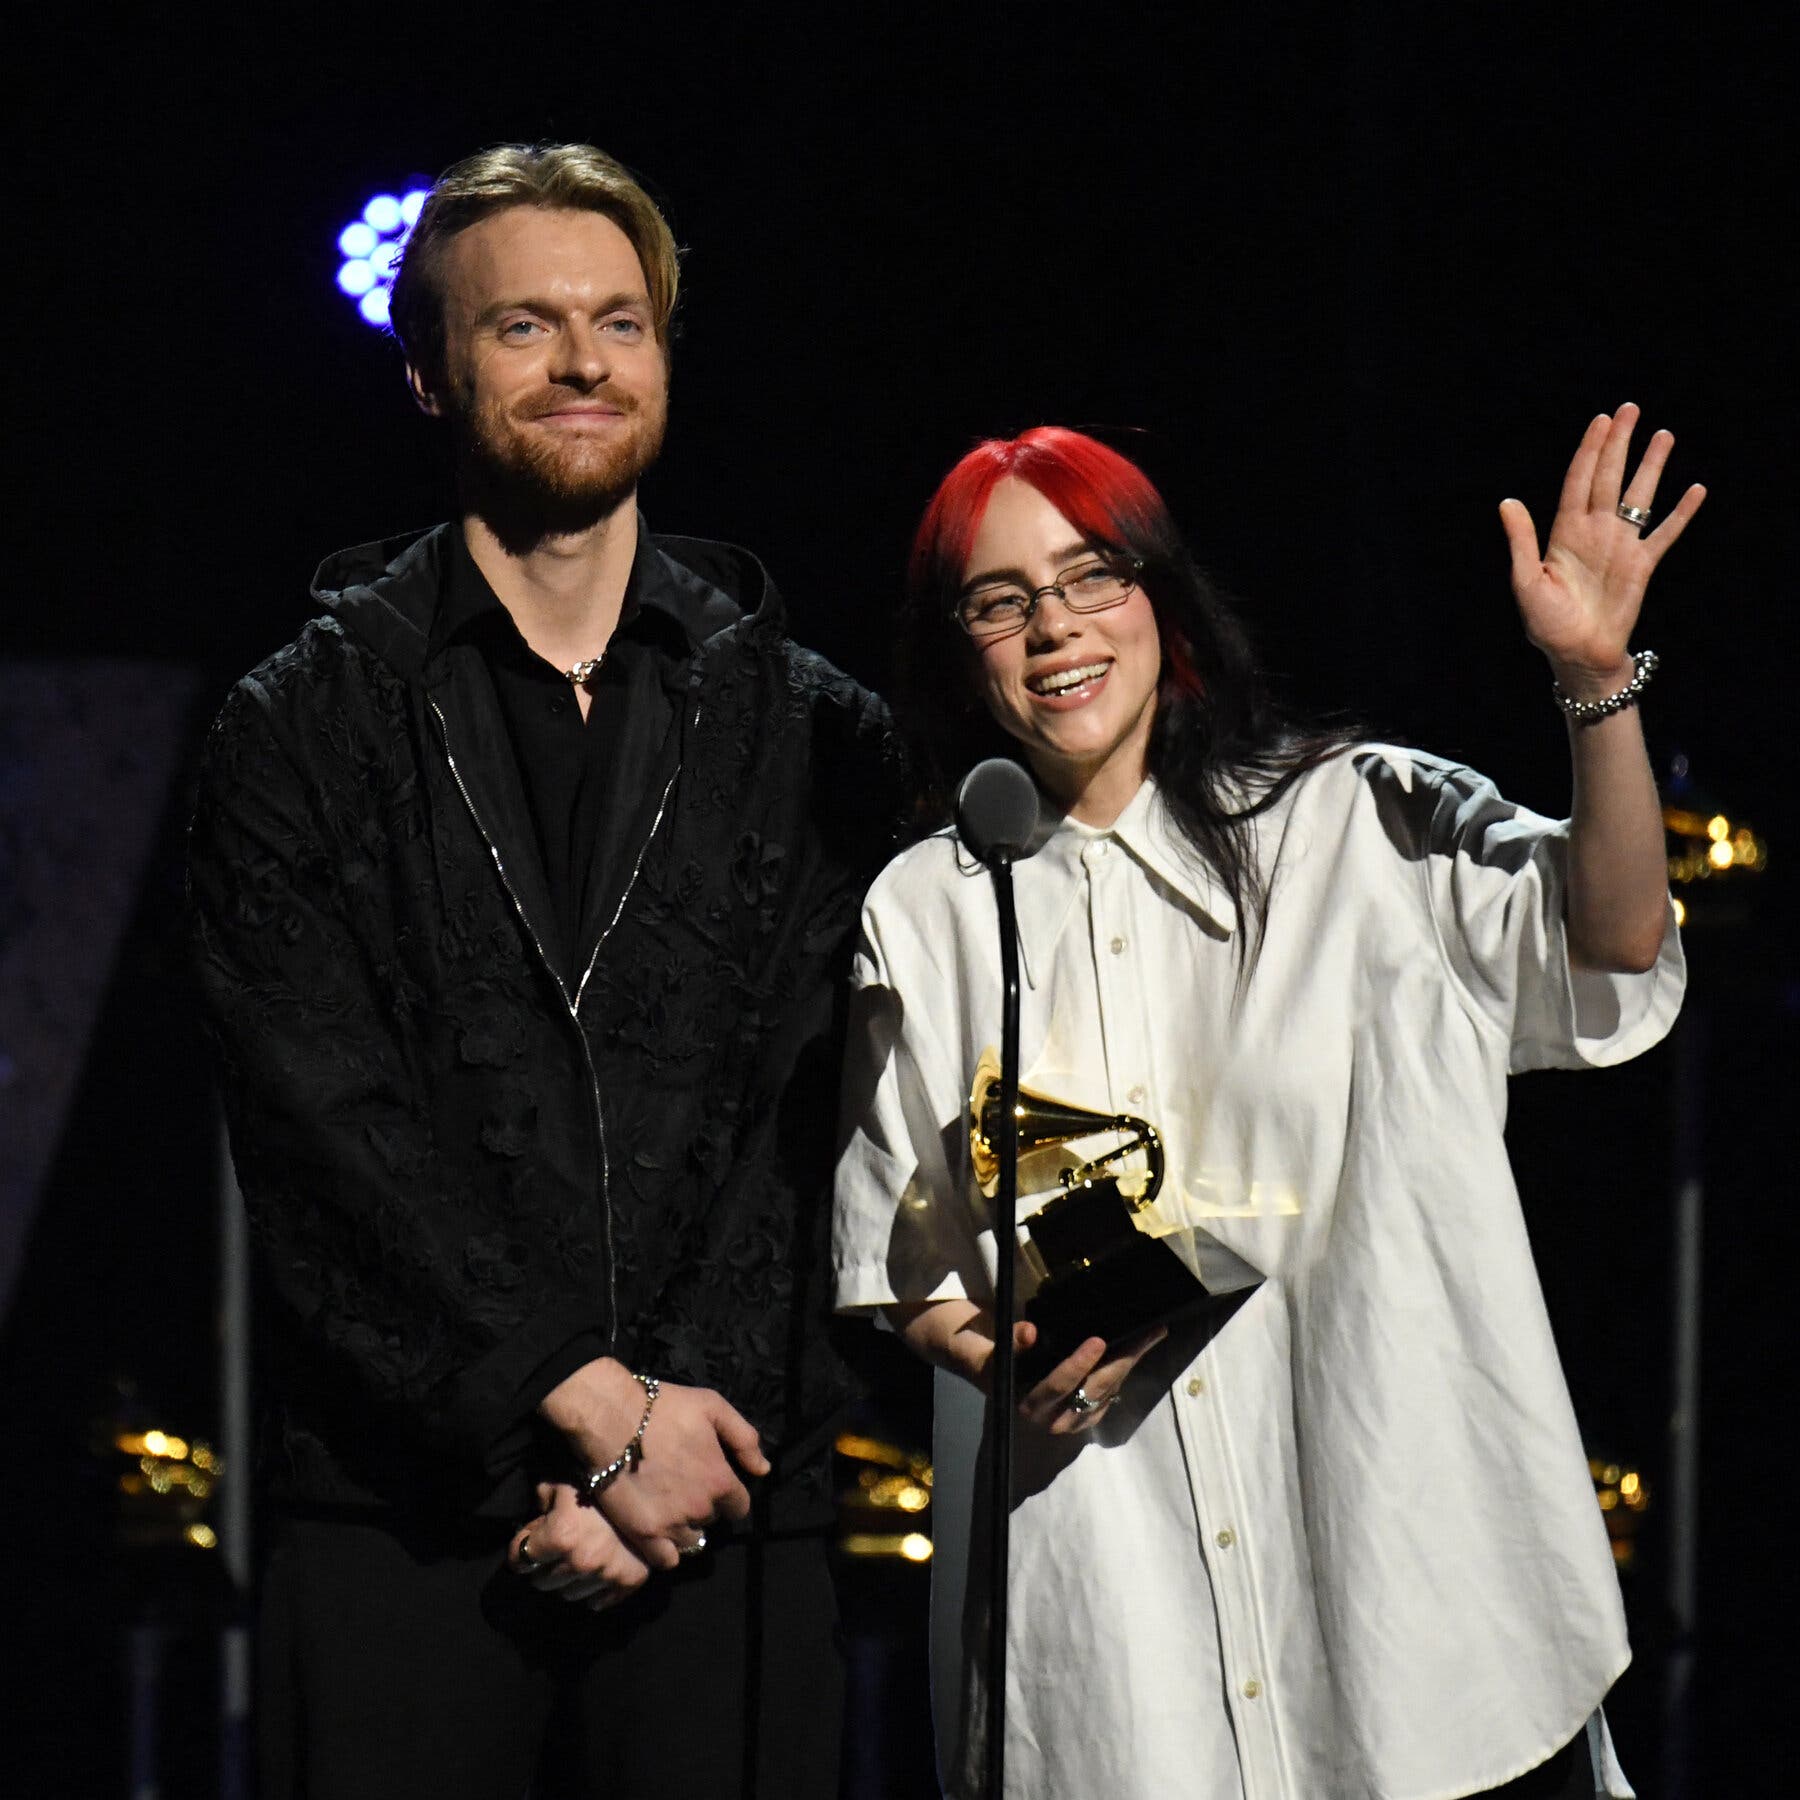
(1065, 679)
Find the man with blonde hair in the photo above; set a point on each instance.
(522, 882)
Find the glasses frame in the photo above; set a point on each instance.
(1124, 568)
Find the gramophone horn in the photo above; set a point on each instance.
(1044, 1121)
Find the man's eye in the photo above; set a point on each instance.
(625, 327)
(519, 328)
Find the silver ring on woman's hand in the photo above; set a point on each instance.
(696, 1546)
(1634, 515)
(1083, 1403)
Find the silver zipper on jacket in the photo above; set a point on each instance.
(612, 1260)
(631, 880)
(572, 1006)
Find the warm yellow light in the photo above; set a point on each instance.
(896, 1491)
(1720, 855)
(160, 1443)
(202, 1537)
(1628, 1484)
(1680, 912)
(1609, 1498)
(1610, 1474)
(914, 1546)
(1718, 827)
(203, 1458)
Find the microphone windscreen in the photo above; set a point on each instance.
(997, 809)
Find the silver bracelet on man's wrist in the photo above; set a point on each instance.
(597, 1481)
(1587, 712)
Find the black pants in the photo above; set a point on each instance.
(394, 1665)
(1568, 1775)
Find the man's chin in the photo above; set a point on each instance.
(526, 501)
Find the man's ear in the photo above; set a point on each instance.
(426, 401)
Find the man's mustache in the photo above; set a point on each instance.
(544, 405)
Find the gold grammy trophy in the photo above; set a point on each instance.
(1099, 1274)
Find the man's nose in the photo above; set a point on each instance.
(581, 355)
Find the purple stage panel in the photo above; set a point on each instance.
(87, 752)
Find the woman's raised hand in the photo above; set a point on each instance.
(1579, 598)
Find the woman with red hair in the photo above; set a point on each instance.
(1338, 1537)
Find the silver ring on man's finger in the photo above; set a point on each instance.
(1083, 1403)
(696, 1546)
(1634, 515)
(523, 1560)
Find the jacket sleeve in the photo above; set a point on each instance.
(384, 1267)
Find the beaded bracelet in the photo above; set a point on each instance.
(597, 1481)
(1586, 712)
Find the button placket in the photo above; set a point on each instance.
(1207, 1450)
(1120, 982)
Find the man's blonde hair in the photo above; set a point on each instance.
(552, 176)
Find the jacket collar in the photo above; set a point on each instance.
(389, 593)
(1048, 884)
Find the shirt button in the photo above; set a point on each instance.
(560, 703)
(1117, 946)
(1252, 1688)
(1196, 1387)
(1136, 1095)
(1226, 1538)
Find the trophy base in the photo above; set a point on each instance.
(1136, 1285)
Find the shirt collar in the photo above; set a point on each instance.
(1048, 883)
(655, 601)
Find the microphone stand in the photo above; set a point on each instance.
(1001, 1402)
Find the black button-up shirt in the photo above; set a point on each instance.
(585, 781)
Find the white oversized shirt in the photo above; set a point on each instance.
(1349, 1547)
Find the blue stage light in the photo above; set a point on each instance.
(371, 247)
(383, 212)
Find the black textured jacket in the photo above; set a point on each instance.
(455, 1165)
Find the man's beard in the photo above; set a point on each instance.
(528, 485)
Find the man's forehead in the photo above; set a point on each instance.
(542, 250)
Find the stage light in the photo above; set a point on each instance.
(383, 212)
(371, 244)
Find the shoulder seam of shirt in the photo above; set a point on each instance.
(1435, 770)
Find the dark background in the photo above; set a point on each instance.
(1340, 278)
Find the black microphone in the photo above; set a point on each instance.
(997, 815)
(997, 810)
